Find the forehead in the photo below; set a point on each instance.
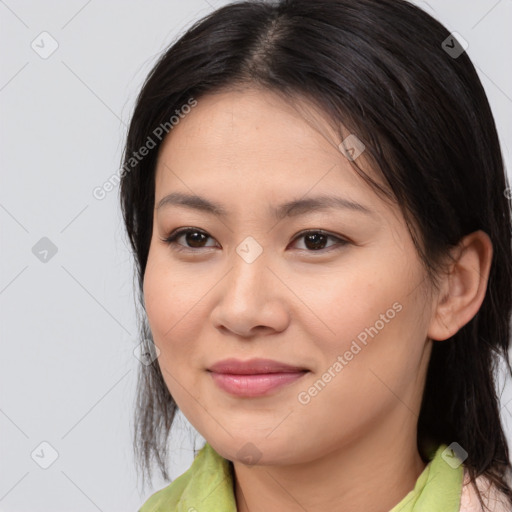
(252, 120)
(254, 143)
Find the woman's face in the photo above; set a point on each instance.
(342, 316)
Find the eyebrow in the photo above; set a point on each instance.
(289, 209)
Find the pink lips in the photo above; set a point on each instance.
(256, 377)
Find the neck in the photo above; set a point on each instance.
(372, 474)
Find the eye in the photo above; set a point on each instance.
(193, 236)
(315, 240)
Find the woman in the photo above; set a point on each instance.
(319, 215)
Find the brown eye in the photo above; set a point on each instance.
(194, 239)
(317, 240)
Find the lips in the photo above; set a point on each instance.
(253, 366)
(256, 377)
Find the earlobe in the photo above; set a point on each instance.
(463, 287)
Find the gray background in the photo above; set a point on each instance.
(68, 331)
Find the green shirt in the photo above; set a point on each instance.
(207, 486)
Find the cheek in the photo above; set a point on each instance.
(172, 310)
(377, 319)
(369, 370)
(350, 304)
(169, 296)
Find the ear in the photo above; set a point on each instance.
(462, 289)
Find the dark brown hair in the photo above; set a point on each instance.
(424, 118)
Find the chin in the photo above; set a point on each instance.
(255, 450)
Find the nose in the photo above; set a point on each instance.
(251, 299)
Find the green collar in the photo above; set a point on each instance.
(208, 486)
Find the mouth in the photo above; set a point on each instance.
(256, 377)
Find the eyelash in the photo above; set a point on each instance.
(171, 240)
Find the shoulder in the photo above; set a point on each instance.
(206, 485)
(492, 497)
(168, 497)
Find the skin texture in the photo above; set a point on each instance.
(250, 151)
